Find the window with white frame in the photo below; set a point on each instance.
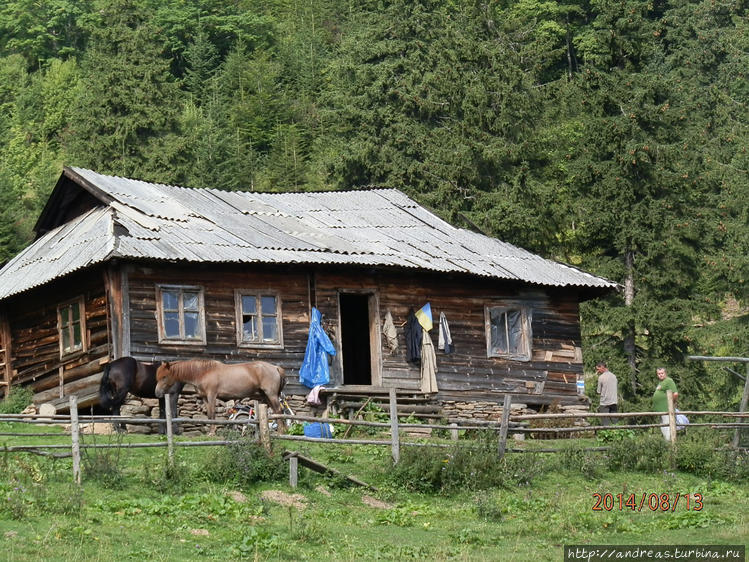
(258, 319)
(71, 326)
(508, 332)
(181, 314)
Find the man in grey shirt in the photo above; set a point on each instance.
(607, 388)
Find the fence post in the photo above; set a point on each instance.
(671, 416)
(454, 431)
(169, 429)
(504, 425)
(293, 470)
(75, 435)
(396, 446)
(262, 420)
(742, 407)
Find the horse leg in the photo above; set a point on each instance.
(275, 405)
(210, 408)
(174, 402)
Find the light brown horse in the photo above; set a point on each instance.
(214, 379)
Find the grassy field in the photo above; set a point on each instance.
(219, 503)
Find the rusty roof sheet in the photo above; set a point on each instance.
(380, 227)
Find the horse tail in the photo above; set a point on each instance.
(105, 389)
(282, 375)
(110, 394)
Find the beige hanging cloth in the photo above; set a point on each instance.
(391, 335)
(428, 364)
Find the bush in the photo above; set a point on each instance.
(465, 467)
(647, 453)
(16, 401)
(575, 458)
(245, 462)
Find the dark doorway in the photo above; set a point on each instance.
(355, 338)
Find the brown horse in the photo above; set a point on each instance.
(213, 379)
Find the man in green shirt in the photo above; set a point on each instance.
(660, 399)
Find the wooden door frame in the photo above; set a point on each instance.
(375, 351)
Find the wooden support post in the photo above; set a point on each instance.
(75, 436)
(504, 425)
(671, 416)
(396, 446)
(6, 344)
(454, 431)
(742, 406)
(262, 420)
(293, 470)
(169, 429)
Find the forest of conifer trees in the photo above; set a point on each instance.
(608, 134)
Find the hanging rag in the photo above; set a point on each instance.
(445, 341)
(428, 364)
(313, 398)
(391, 335)
(315, 370)
(413, 338)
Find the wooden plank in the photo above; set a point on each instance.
(83, 385)
(324, 469)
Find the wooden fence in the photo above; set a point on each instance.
(508, 424)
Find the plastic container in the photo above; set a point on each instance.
(318, 430)
(580, 387)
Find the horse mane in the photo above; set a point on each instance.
(192, 368)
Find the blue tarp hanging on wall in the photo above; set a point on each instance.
(315, 370)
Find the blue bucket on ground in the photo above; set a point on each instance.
(318, 430)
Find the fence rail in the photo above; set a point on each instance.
(507, 425)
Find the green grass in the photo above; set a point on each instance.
(132, 507)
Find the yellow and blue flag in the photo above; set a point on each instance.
(424, 316)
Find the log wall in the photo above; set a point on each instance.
(467, 374)
(35, 345)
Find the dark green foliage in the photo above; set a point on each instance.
(575, 458)
(611, 135)
(17, 401)
(647, 453)
(246, 462)
(464, 467)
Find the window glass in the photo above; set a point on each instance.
(269, 305)
(181, 314)
(248, 304)
(260, 318)
(66, 340)
(171, 324)
(249, 329)
(71, 327)
(191, 325)
(509, 333)
(171, 300)
(269, 328)
(191, 301)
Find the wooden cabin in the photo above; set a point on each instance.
(124, 267)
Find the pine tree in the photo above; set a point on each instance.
(125, 109)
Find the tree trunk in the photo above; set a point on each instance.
(629, 336)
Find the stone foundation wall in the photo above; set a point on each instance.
(190, 406)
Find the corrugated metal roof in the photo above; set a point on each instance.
(379, 227)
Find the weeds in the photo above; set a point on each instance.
(464, 467)
(245, 462)
(103, 464)
(16, 401)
